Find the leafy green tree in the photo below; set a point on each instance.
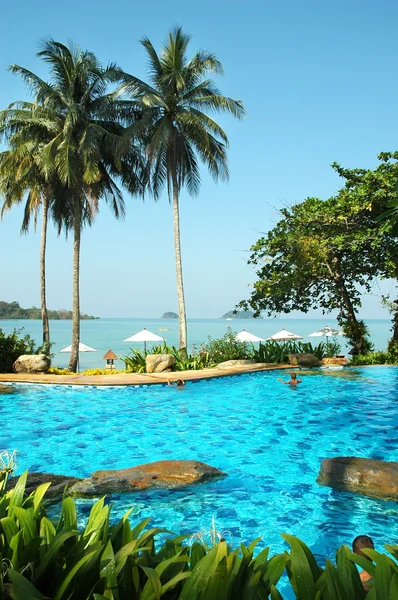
(318, 256)
(373, 193)
(178, 129)
(88, 150)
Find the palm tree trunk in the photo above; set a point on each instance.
(393, 342)
(182, 318)
(43, 244)
(74, 355)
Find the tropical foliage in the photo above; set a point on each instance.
(179, 133)
(14, 345)
(216, 351)
(108, 560)
(321, 253)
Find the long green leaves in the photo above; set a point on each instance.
(114, 561)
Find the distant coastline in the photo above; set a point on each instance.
(240, 314)
(12, 310)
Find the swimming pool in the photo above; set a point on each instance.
(270, 439)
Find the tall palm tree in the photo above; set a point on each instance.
(19, 177)
(179, 132)
(87, 150)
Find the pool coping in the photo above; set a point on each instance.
(138, 378)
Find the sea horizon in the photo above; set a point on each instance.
(109, 333)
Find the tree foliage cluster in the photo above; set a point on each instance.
(14, 345)
(12, 310)
(325, 253)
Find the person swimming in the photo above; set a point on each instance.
(293, 380)
(179, 383)
(360, 542)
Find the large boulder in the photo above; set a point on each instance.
(32, 363)
(159, 363)
(335, 360)
(161, 474)
(304, 359)
(375, 478)
(233, 363)
(56, 489)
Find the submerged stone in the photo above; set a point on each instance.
(376, 478)
(161, 474)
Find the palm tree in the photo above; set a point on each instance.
(178, 131)
(87, 149)
(20, 175)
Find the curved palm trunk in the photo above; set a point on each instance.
(43, 245)
(74, 355)
(182, 318)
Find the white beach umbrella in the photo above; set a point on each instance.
(285, 336)
(245, 336)
(327, 332)
(144, 336)
(82, 348)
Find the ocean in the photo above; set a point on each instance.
(105, 334)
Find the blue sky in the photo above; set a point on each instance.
(318, 79)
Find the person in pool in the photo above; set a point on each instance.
(293, 380)
(179, 383)
(363, 541)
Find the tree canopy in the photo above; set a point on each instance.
(324, 253)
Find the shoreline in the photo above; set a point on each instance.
(137, 379)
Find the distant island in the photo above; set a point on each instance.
(12, 310)
(170, 315)
(240, 314)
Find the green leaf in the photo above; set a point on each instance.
(9, 527)
(275, 594)
(153, 587)
(27, 523)
(21, 588)
(17, 494)
(303, 567)
(61, 591)
(38, 496)
(53, 550)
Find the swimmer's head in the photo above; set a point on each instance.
(293, 375)
(362, 541)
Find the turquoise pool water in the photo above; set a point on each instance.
(270, 439)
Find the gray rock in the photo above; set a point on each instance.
(32, 363)
(304, 359)
(160, 474)
(56, 489)
(376, 478)
(158, 363)
(233, 363)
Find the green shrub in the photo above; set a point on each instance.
(225, 348)
(104, 560)
(278, 352)
(12, 346)
(375, 358)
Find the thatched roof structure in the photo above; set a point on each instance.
(110, 355)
